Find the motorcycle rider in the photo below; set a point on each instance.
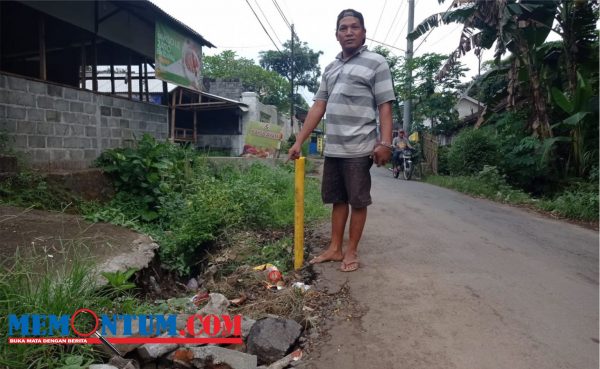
(399, 143)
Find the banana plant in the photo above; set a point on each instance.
(515, 26)
(579, 109)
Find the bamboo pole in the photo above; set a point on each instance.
(299, 214)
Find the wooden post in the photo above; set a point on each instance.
(174, 100)
(165, 98)
(140, 82)
(112, 78)
(129, 77)
(146, 81)
(42, 44)
(83, 66)
(299, 214)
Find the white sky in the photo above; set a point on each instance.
(231, 25)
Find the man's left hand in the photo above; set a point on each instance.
(381, 155)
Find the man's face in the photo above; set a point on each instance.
(350, 34)
(401, 134)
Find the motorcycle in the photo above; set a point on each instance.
(404, 164)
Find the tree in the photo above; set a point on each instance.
(434, 98)
(516, 26)
(305, 64)
(271, 88)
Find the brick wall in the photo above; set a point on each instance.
(230, 89)
(59, 127)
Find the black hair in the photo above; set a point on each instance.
(350, 13)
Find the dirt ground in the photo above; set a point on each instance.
(58, 237)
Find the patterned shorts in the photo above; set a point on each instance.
(347, 180)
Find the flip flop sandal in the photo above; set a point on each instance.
(349, 267)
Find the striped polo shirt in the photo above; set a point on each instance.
(353, 89)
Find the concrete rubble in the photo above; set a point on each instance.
(268, 341)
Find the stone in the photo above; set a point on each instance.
(271, 338)
(211, 355)
(122, 363)
(152, 351)
(102, 366)
(247, 325)
(217, 304)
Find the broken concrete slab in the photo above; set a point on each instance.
(212, 355)
(271, 338)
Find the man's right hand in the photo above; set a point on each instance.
(294, 152)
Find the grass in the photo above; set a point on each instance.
(579, 203)
(34, 286)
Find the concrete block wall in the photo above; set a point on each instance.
(230, 89)
(59, 127)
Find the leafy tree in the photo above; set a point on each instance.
(433, 96)
(304, 65)
(516, 26)
(271, 88)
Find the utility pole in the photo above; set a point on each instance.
(292, 80)
(407, 119)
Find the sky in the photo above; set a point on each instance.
(231, 25)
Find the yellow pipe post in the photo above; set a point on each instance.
(299, 214)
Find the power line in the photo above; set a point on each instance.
(431, 29)
(263, 27)
(393, 22)
(378, 21)
(281, 13)
(269, 23)
(384, 44)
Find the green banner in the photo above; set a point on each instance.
(178, 59)
(262, 140)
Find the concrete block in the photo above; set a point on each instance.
(36, 115)
(104, 122)
(61, 105)
(58, 154)
(20, 141)
(102, 366)
(8, 125)
(36, 142)
(91, 132)
(116, 112)
(77, 130)
(105, 110)
(89, 108)
(21, 98)
(85, 96)
(142, 125)
(61, 129)
(76, 142)
(13, 112)
(16, 83)
(76, 154)
(2, 81)
(25, 127)
(70, 94)
(70, 117)
(45, 102)
(90, 154)
(41, 155)
(94, 143)
(124, 123)
(115, 143)
(46, 129)
(116, 132)
(54, 142)
(55, 90)
(76, 107)
(2, 111)
(113, 122)
(36, 88)
(52, 116)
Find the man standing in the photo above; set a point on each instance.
(354, 87)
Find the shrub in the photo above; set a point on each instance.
(472, 149)
(579, 202)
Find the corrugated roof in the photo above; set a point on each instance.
(174, 22)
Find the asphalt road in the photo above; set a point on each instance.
(449, 281)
